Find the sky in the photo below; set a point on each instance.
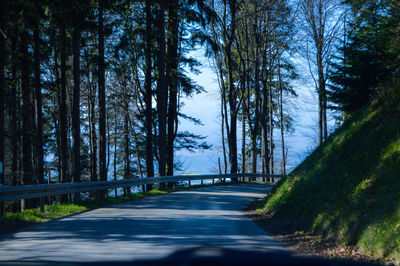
(206, 107)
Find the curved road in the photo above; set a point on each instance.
(149, 228)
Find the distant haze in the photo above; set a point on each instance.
(206, 107)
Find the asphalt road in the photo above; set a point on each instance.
(149, 228)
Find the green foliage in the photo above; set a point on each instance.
(36, 216)
(370, 57)
(349, 187)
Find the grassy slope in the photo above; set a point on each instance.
(349, 188)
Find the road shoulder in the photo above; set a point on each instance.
(301, 243)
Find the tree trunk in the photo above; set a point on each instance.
(127, 170)
(28, 178)
(252, 131)
(2, 93)
(38, 110)
(223, 117)
(162, 92)
(271, 130)
(264, 150)
(219, 167)
(324, 102)
(148, 97)
(115, 154)
(139, 163)
(108, 146)
(254, 153)
(57, 133)
(265, 130)
(321, 88)
(63, 114)
(92, 135)
(102, 101)
(233, 144)
(92, 132)
(76, 132)
(281, 119)
(20, 165)
(264, 116)
(69, 138)
(232, 136)
(243, 142)
(13, 117)
(171, 78)
(256, 115)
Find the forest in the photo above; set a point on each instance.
(93, 90)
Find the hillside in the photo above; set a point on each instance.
(349, 188)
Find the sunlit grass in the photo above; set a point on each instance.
(36, 216)
(349, 187)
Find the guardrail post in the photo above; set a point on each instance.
(41, 202)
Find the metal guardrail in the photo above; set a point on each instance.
(8, 193)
